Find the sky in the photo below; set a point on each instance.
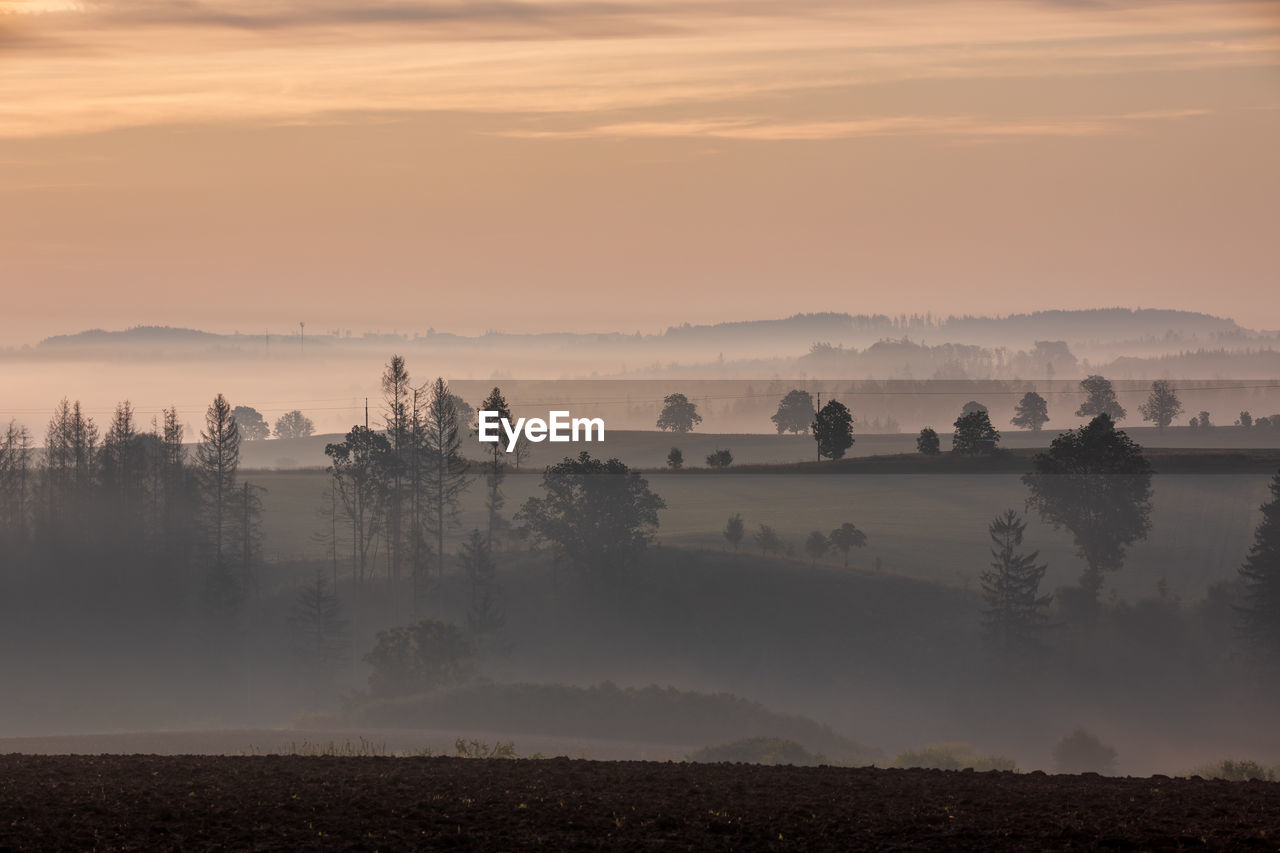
(630, 164)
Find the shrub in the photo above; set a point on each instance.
(1237, 771)
(720, 459)
(1082, 752)
(759, 750)
(418, 658)
(953, 756)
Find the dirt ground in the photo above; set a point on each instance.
(196, 803)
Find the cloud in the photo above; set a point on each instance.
(122, 63)
(759, 129)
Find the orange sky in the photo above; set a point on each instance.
(610, 164)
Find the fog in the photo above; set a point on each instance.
(187, 586)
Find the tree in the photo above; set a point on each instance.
(795, 412)
(253, 427)
(1203, 421)
(974, 434)
(495, 471)
(1260, 576)
(247, 530)
(600, 515)
(816, 546)
(418, 658)
(218, 459)
(1082, 752)
(446, 468)
(678, 414)
(734, 530)
(1100, 399)
(466, 414)
(973, 406)
(846, 537)
(675, 459)
(1095, 482)
(320, 638)
(15, 483)
(1032, 412)
(1245, 420)
(833, 430)
(399, 398)
(484, 615)
(294, 425)
(1013, 616)
(1162, 406)
(362, 467)
(720, 459)
(927, 442)
(767, 539)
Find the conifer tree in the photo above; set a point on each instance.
(1260, 575)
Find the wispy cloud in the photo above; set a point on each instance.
(97, 64)
(935, 125)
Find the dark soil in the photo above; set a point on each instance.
(295, 803)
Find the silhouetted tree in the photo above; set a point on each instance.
(734, 530)
(1260, 577)
(974, 433)
(1202, 420)
(466, 415)
(678, 414)
(1013, 616)
(973, 406)
(816, 546)
(248, 532)
(320, 638)
(16, 476)
(719, 459)
(217, 460)
(446, 469)
(1032, 412)
(294, 424)
(1245, 420)
(494, 469)
(417, 658)
(1082, 752)
(1162, 406)
(846, 537)
(927, 442)
(253, 427)
(833, 430)
(1095, 482)
(767, 539)
(484, 614)
(1100, 399)
(599, 515)
(675, 459)
(361, 471)
(397, 400)
(795, 412)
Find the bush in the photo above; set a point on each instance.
(418, 658)
(720, 459)
(1237, 771)
(953, 756)
(1082, 752)
(759, 750)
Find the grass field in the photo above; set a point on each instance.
(926, 526)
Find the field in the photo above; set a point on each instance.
(926, 526)
(299, 803)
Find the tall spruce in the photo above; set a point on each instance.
(218, 460)
(495, 468)
(1014, 612)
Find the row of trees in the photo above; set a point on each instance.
(797, 412)
(254, 427)
(132, 502)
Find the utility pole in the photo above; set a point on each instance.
(366, 412)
